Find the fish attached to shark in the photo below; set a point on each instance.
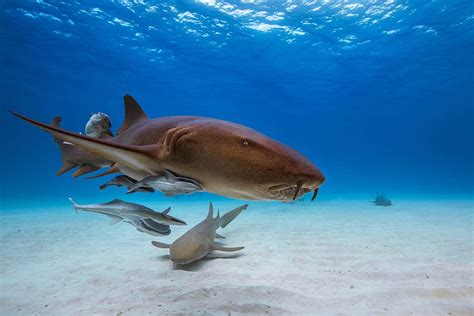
(168, 183)
(126, 181)
(143, 218)
(197, 242)
(224, 158)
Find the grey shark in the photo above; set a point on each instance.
(143, 218)
(381, 200)
(196, 243)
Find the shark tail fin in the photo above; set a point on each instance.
(228, 217)
(67, 165)
(160, 244)
(74, 204)
(133, 113)
(140, 158)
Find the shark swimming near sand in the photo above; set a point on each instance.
(143, 218)
(381, 200)
(224, 158)
(197, 242)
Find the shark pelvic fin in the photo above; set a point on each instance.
(115, 219)
(160, 244)
(140, 158)
(133, 113)
(84, 169)
(219, 236)
(215, 246)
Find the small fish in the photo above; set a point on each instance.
(127, 182)
(196, 243)
(168, 183)
(381, 200)
(143, 218)
(98, 124)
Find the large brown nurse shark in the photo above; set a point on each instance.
(197, 242)
(224, 158)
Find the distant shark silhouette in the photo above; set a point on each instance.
(381, 200)
(222, 157)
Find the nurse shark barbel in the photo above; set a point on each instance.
(217, 156)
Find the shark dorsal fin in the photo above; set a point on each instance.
(133, 113)
(166, 211)
(211, 211)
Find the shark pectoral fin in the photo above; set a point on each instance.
(219, 236)
(141, 158)
(215, 246)
(84, 169)
(160, 245)
(66, 167)
(115, 219)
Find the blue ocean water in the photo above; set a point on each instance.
(378, 94)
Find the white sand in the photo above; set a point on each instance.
(333, 258)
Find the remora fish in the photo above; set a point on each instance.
(381, 200)
(199, 240)
(127, 182)
(223, 157)
(167, 183)
(143, 218)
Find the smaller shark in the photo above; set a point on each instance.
(143, 218)
(381, 200)
(127, 182)
(197, 242)
(168, 183)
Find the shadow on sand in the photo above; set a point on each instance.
(197, 265)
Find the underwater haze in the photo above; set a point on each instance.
(379, 95)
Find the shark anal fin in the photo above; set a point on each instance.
(113, 169)
(84, 169)
(226, 249)
(133, 113)
(160, 244)
(66, 167)
(219, 236)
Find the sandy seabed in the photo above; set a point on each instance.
(337, 257)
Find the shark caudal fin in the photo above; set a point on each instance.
(160, 244)
(133, 114)
(140, 158)
(230, 216)
(74, 204)
(67, 165)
